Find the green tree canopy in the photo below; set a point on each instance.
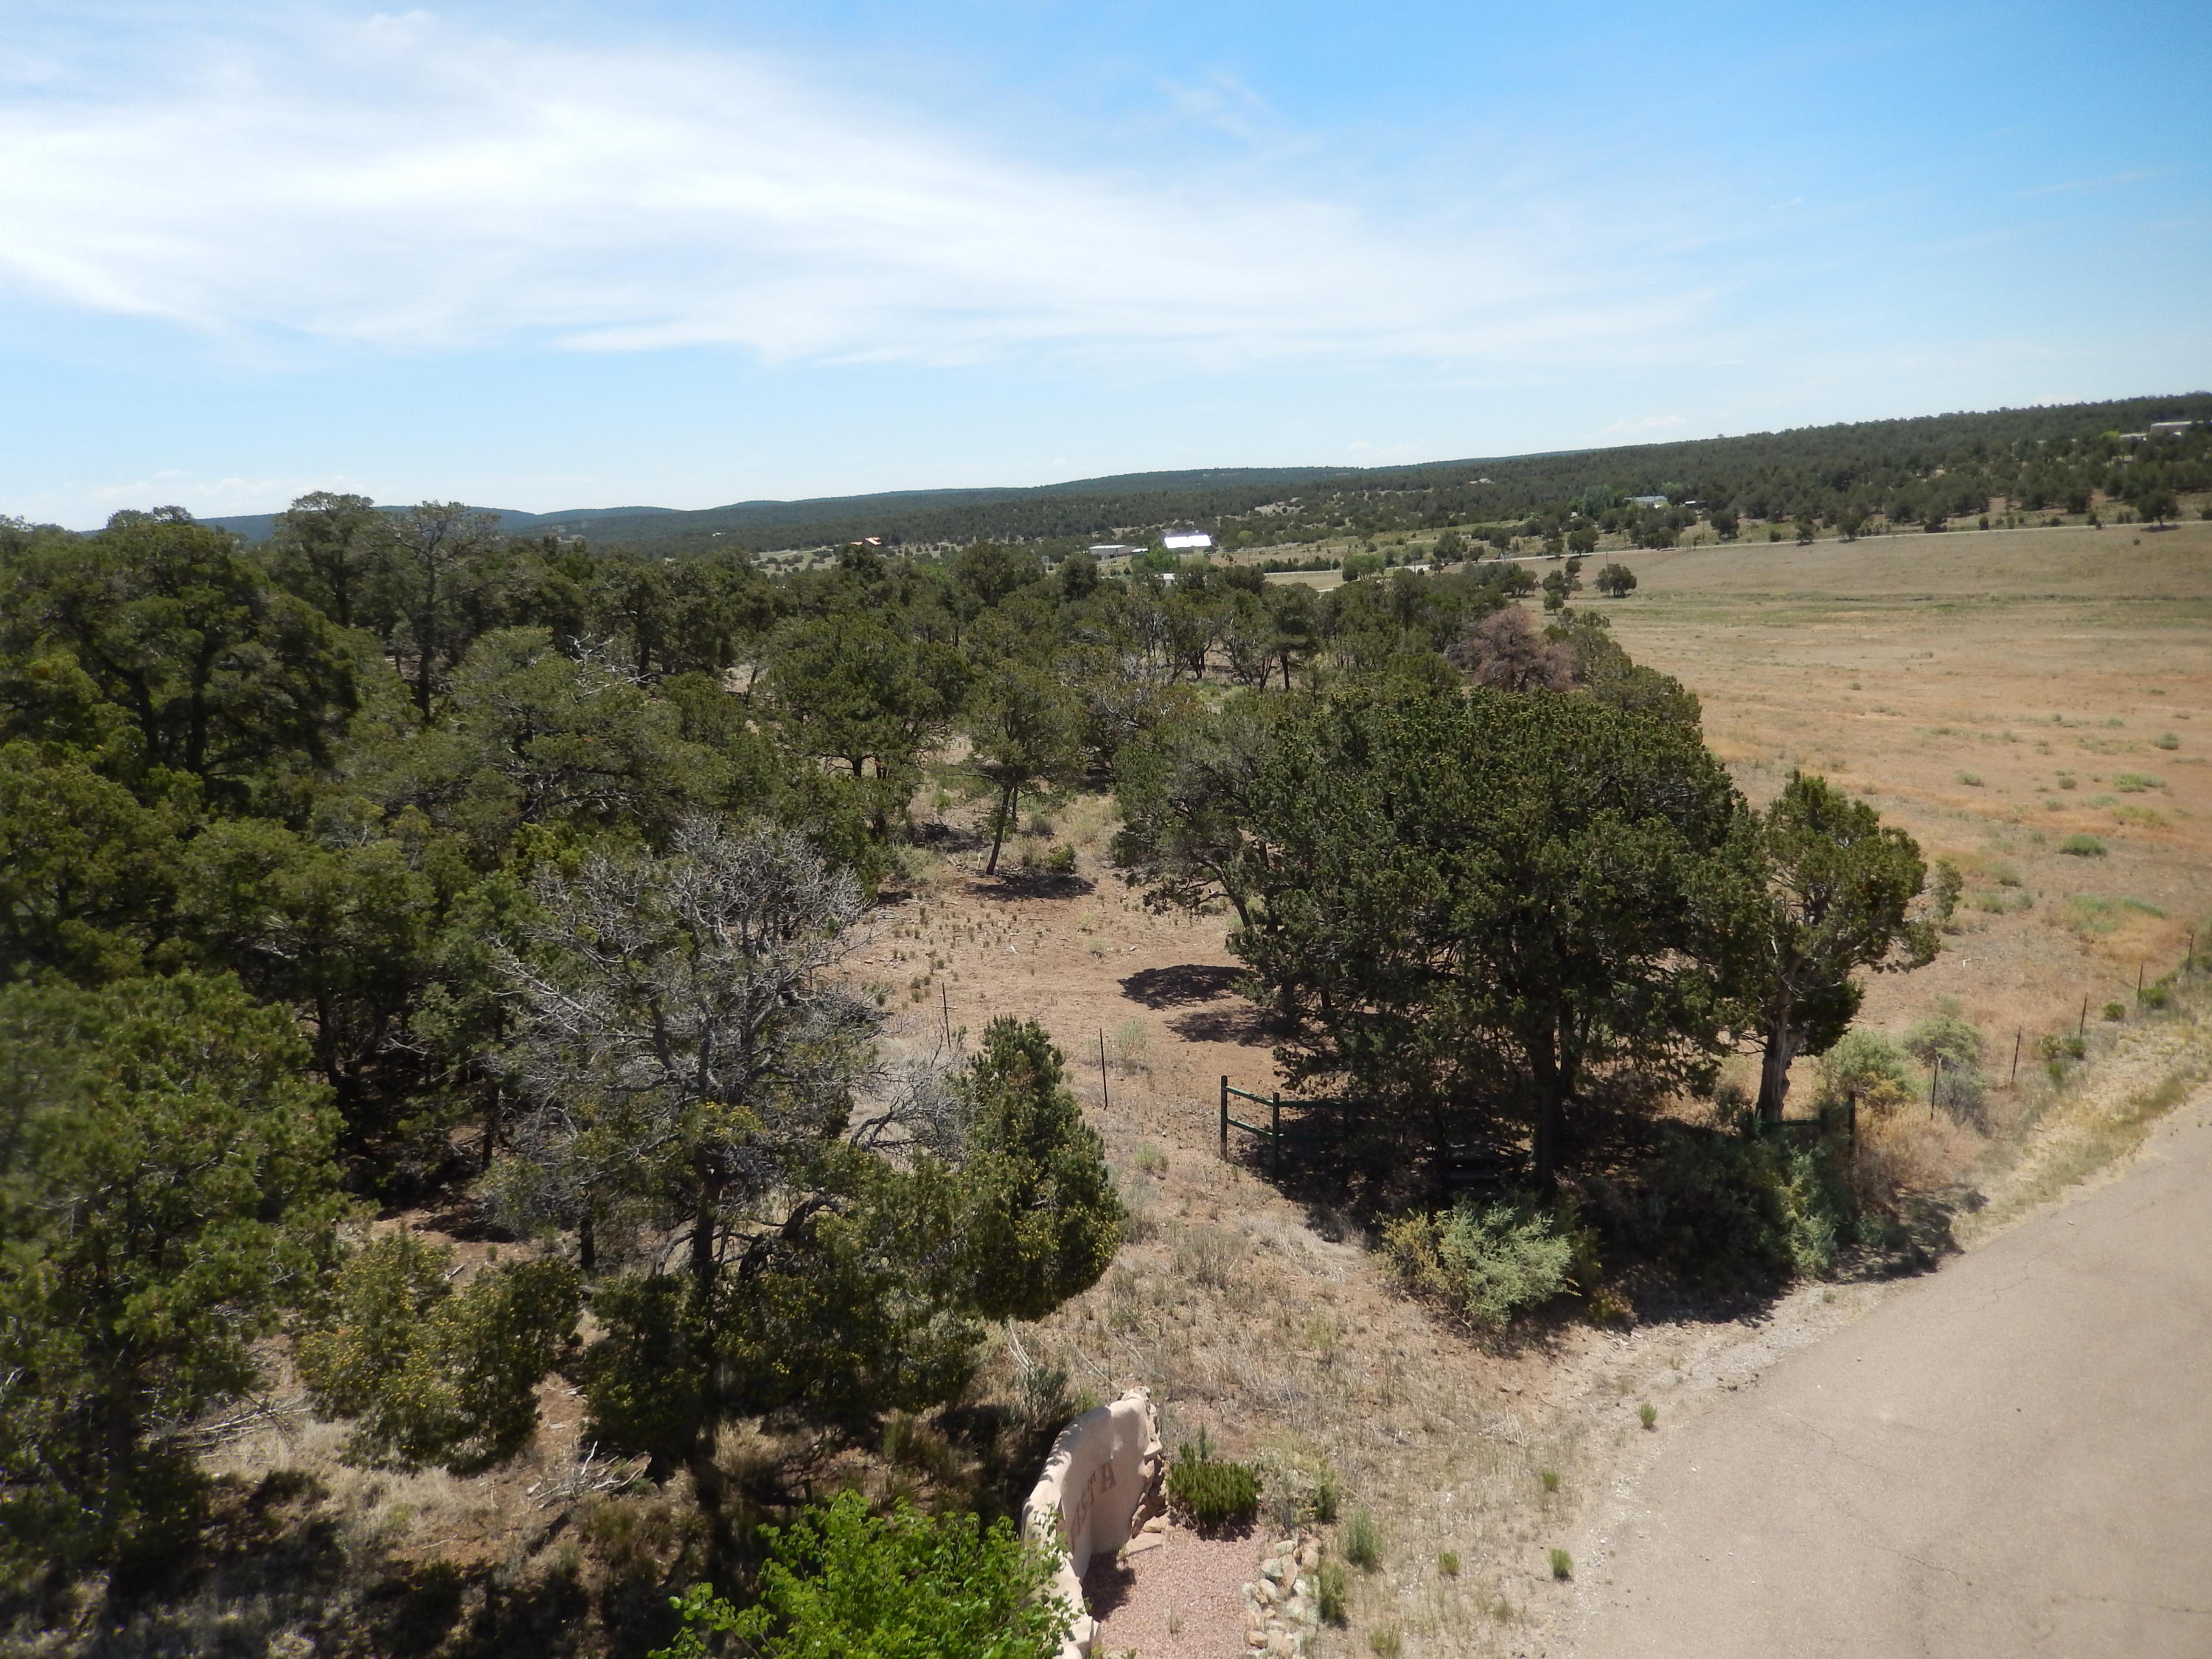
(433, 565)
(1468, 903)
(216, 676)
(1183, 795)
(1043, 1219)
(432, 1373)
(85, 872)
(840, 1583)
(166, 1192)
(1840, 885)
(326, 549)
(1026, 730)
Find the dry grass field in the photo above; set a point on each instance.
(1995, 693)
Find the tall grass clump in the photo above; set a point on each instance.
(1362, 1541)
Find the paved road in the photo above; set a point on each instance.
(2010, 1457)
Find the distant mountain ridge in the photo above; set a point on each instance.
(260, 526)
(1885, 465)
(754, 516)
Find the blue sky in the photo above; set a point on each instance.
(585, 253)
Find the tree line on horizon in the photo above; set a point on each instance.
(2053, 459)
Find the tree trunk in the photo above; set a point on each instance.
(707, 1409)
(1550, 1099)
(1006, 803)
(1774, 1068)
(490, 1128)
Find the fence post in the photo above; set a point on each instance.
(1275, 1152)
(1934, 1076)
(2082, 1030)
(1225, 1117)
(2016, 1037)
(2139, 974)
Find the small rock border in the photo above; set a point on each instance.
(1282, 1606)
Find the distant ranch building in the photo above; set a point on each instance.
(1186, 541)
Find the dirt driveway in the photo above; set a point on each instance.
(2012, 1456)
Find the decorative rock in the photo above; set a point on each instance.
(1281, 1613)
(1141, 1543)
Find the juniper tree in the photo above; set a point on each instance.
(1839, 886)
(167, 1194)
(1466, 904)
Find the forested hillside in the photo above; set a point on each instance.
(1904, 470)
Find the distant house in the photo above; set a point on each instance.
(1111, 549)
(1647, 500)
(2170, 429)
(1181, 540)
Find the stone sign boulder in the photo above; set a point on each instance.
(1099, 1485)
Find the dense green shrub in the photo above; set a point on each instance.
(840, 1583)
(1211, 1493)
(1721, 1209)
(1866, 1068)
(1487, 1261)
(1951, 1047)
(2082, 846)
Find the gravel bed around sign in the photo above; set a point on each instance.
(1183, 1599)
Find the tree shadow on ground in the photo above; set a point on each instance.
(1693, 1222)
(1181, 985)
(275, 1568)
(1251, 1027)
(1011, 885)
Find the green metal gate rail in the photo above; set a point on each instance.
(1272, 1129)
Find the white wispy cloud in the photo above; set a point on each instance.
(2106, 182)
(404, 182)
